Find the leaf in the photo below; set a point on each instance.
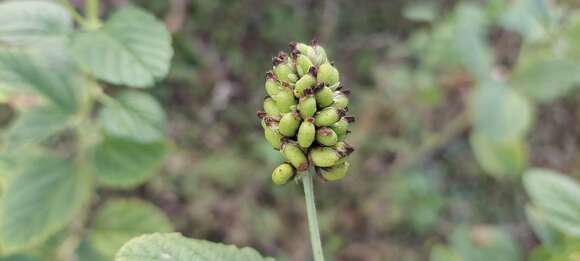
(500, 113)
(547, 79)
(136, 116)
(33, 22)
(550, 237)
(469, 39)
(35, 126)
(20, 258)
(132, 48)
(39, 201)
(556, 197)
(175, 247)
(120, 220)
(499, 159)
(57, 84)
(529, 18)
(126, 164)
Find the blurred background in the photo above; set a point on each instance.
(415, 188)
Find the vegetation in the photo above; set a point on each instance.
(124, 121)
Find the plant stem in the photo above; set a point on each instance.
(73, 12)
(312, 219)
(92, 14)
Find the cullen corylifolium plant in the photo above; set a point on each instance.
(304, 117)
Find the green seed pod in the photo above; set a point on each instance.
(282, 174)
(306, 133)
(328, 116)
(341, 126)
(295, 155)
(327, 74)
(344, 150)
(307, 104)
(336, 172)
(273, 136)
(283, 68)
(303, 63)
(289, 124)
(326, 136)
(324, 156)
(323, 95)
(272, 87)
(285, 99)
(306, 82)
(302, 48)
(270, 107)
(340, 99)
(319, 54)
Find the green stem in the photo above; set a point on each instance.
(312, 219)
(73, 12)
(92, 13)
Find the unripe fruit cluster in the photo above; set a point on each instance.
(304, 114)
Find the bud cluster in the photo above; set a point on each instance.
(304, 114)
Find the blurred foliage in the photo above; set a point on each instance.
(456, 100)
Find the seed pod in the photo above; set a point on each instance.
(289, 124)
(306, 133)
(319, 54)
(328, 116)
(327, 74)
(326, 136)
(340, 99)
(303, 63)
(270, 107)
(273, 136)
(307, 104)
(295, 155)
(341, 126)
(283, 69)
(324, 156)
(323, 95)
(282, 174)
(272, 87)
(285, 99)
(336, 172)
(302, 48)
(343, 150)
(306, 82)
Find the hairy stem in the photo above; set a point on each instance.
(312, 219)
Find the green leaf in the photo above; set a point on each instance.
(556, 197)
(178, 248)
(57, 84)
(35, 126)
(32, 22)
(550, 237)
(469, 39)
(499, 159)
(126, 164)
(120, 220)
(547, 79)
(132, 48)
(136, 116)
(529, 18)
(39, 201)
(500, 113)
